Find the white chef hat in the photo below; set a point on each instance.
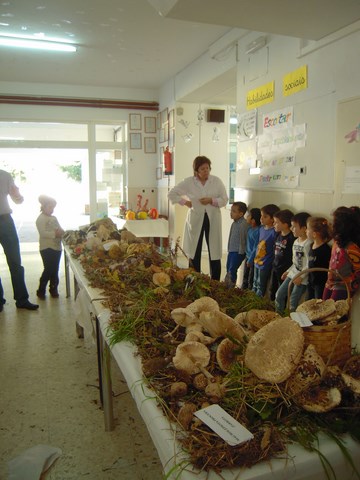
(46, 200)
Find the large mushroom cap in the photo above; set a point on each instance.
(309, 369)
(274, 351)
(218, 324)
(316, 309)
(259, 318)
(191, 357)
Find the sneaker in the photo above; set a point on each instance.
(28, 306)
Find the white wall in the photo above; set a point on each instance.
(333, 76)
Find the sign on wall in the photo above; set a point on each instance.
(260, 96)
(295, 81)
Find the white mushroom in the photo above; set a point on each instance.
(274, 351)
(191, 357)
(218, 324)
(183, 317)
(196, 336)
(204, 304)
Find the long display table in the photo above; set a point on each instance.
(299, 465)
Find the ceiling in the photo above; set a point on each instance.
(143, 43)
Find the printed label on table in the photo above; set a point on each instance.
(229, 429)
(301, 318)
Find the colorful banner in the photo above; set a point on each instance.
(278, 119)
(282, 178)
(282, 140)
(260, 96)
(276, 160)
(295, 81)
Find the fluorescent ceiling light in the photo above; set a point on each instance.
(34, 43)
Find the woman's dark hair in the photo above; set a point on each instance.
(346, 226)
(284, 216)
(321, 226)
(200, 160)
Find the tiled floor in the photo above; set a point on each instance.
(49, 393)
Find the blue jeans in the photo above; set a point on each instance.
(282, 293)
(261, 279)
(233, 262)
(10, 243)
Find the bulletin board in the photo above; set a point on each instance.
(347, 169)
(318, 153)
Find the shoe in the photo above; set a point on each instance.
(54, 293)
(40, 294)
(28, 305)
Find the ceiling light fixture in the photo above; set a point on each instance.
(19, 41)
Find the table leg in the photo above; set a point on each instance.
(67, 275)
(104, 366)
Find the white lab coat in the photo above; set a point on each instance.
(192, 189)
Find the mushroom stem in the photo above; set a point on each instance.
(170, 334)
(202, 369)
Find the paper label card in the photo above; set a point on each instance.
(301, 318)
(229, 429)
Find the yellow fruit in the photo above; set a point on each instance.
(130, 215)
(141, 215)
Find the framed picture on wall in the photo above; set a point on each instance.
(171, 119)
(150, 144)
(150, 124)
(135, 121)
(164, 116)
(135, 141)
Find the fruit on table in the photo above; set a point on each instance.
(153, 213)
(130, 215)
(141, 215)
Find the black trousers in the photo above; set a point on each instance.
(51, 261)
(215, 265)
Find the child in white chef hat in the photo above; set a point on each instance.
(50, 234)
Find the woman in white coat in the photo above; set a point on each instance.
(203, 194)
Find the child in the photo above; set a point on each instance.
(318, 232)
(252, 241)
(265, 249)
(283, 248)
(300, 259)
(345, 254)
(237, 242)
(50, 234)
